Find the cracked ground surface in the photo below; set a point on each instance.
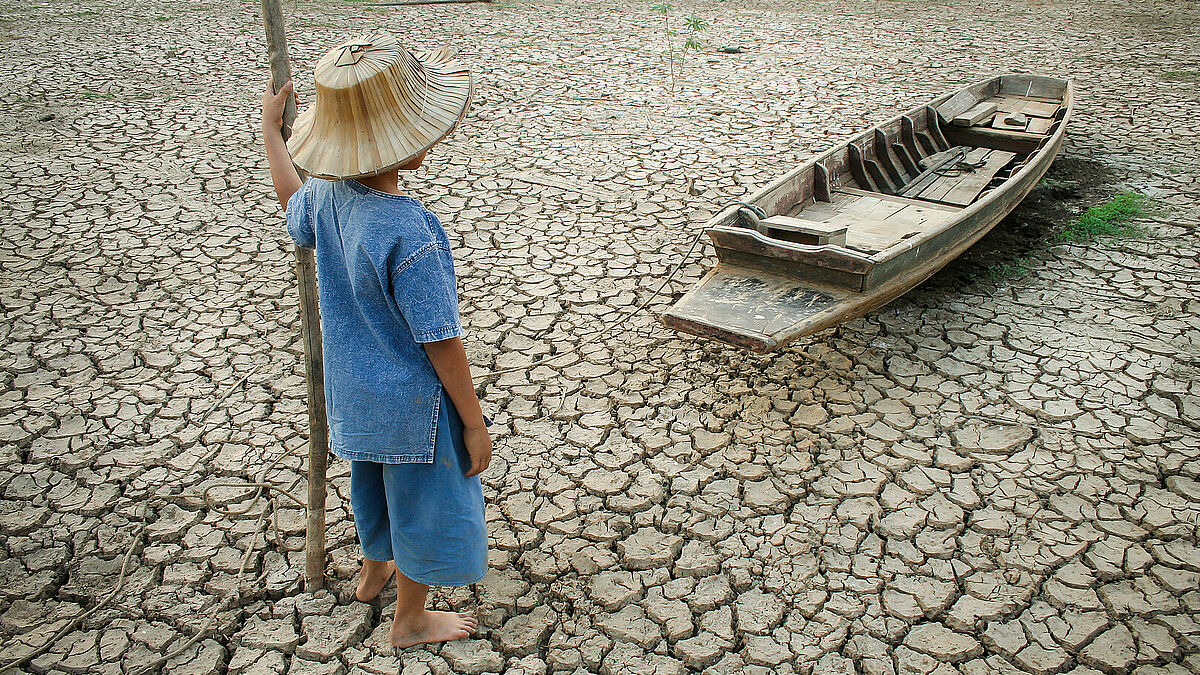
(995, 473)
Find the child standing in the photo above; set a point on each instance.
(401, 403)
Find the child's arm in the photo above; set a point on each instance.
(283, 172)
(450, 361)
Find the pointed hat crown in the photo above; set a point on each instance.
(377, 106)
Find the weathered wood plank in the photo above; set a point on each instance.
(948, 175)
(932, 165)
(1039, 125)
(908, 136)
(1010, 121)
(858, 168)
(897, 198)
(975, 115)
(1030, 107)
(890, 166)
(966, 190)
(962, 189)
(967, 98)
(820, 182)
(782, 254)
(1033, 86)
(907, 160)
(804, 231)
(934, 127)
(1014, 141)
(747, 307)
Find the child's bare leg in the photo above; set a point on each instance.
(414, 625)
(372, 578)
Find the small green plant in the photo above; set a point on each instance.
(162, 18)
(694, 25)
(665, 9)
(1008, 270)
(697, 25)
(1109, 219)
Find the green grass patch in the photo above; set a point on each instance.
(1181, 75)
(1110, 219)
(96, 94)
(1019, 267)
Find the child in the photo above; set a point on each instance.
(401, 404)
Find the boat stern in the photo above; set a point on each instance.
(750, 309)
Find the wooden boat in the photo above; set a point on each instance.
(861, 224)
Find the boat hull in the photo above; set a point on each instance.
(763, 294)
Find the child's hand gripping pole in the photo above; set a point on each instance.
(283, 173)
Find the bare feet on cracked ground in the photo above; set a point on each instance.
(429, 626)
(372, 578)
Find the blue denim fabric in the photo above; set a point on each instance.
(386, 285)
(428, 518)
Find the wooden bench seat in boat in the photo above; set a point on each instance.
(1019, 123)
(803, 231)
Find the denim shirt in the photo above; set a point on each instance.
(386, 284)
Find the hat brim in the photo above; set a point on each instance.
(326, 144)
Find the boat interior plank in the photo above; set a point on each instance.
(1039, 125)
(1011, 121)
(1032, 86)
(961, 187)
(975, 115)
(897, 198)
(874, 220)
(1030, 107)
(1021, 142)
(930, 166)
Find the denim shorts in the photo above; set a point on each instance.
(428, 518)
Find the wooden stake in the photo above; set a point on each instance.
(310, 329)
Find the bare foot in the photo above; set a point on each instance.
(430, 626)
(374, 574)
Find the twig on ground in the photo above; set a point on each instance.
(405, 3)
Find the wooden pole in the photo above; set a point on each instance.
(310, 330)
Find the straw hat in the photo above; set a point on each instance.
(377, 107)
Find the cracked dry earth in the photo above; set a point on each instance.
(988, 475)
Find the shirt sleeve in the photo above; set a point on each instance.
(426, 292)
(299, 217)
